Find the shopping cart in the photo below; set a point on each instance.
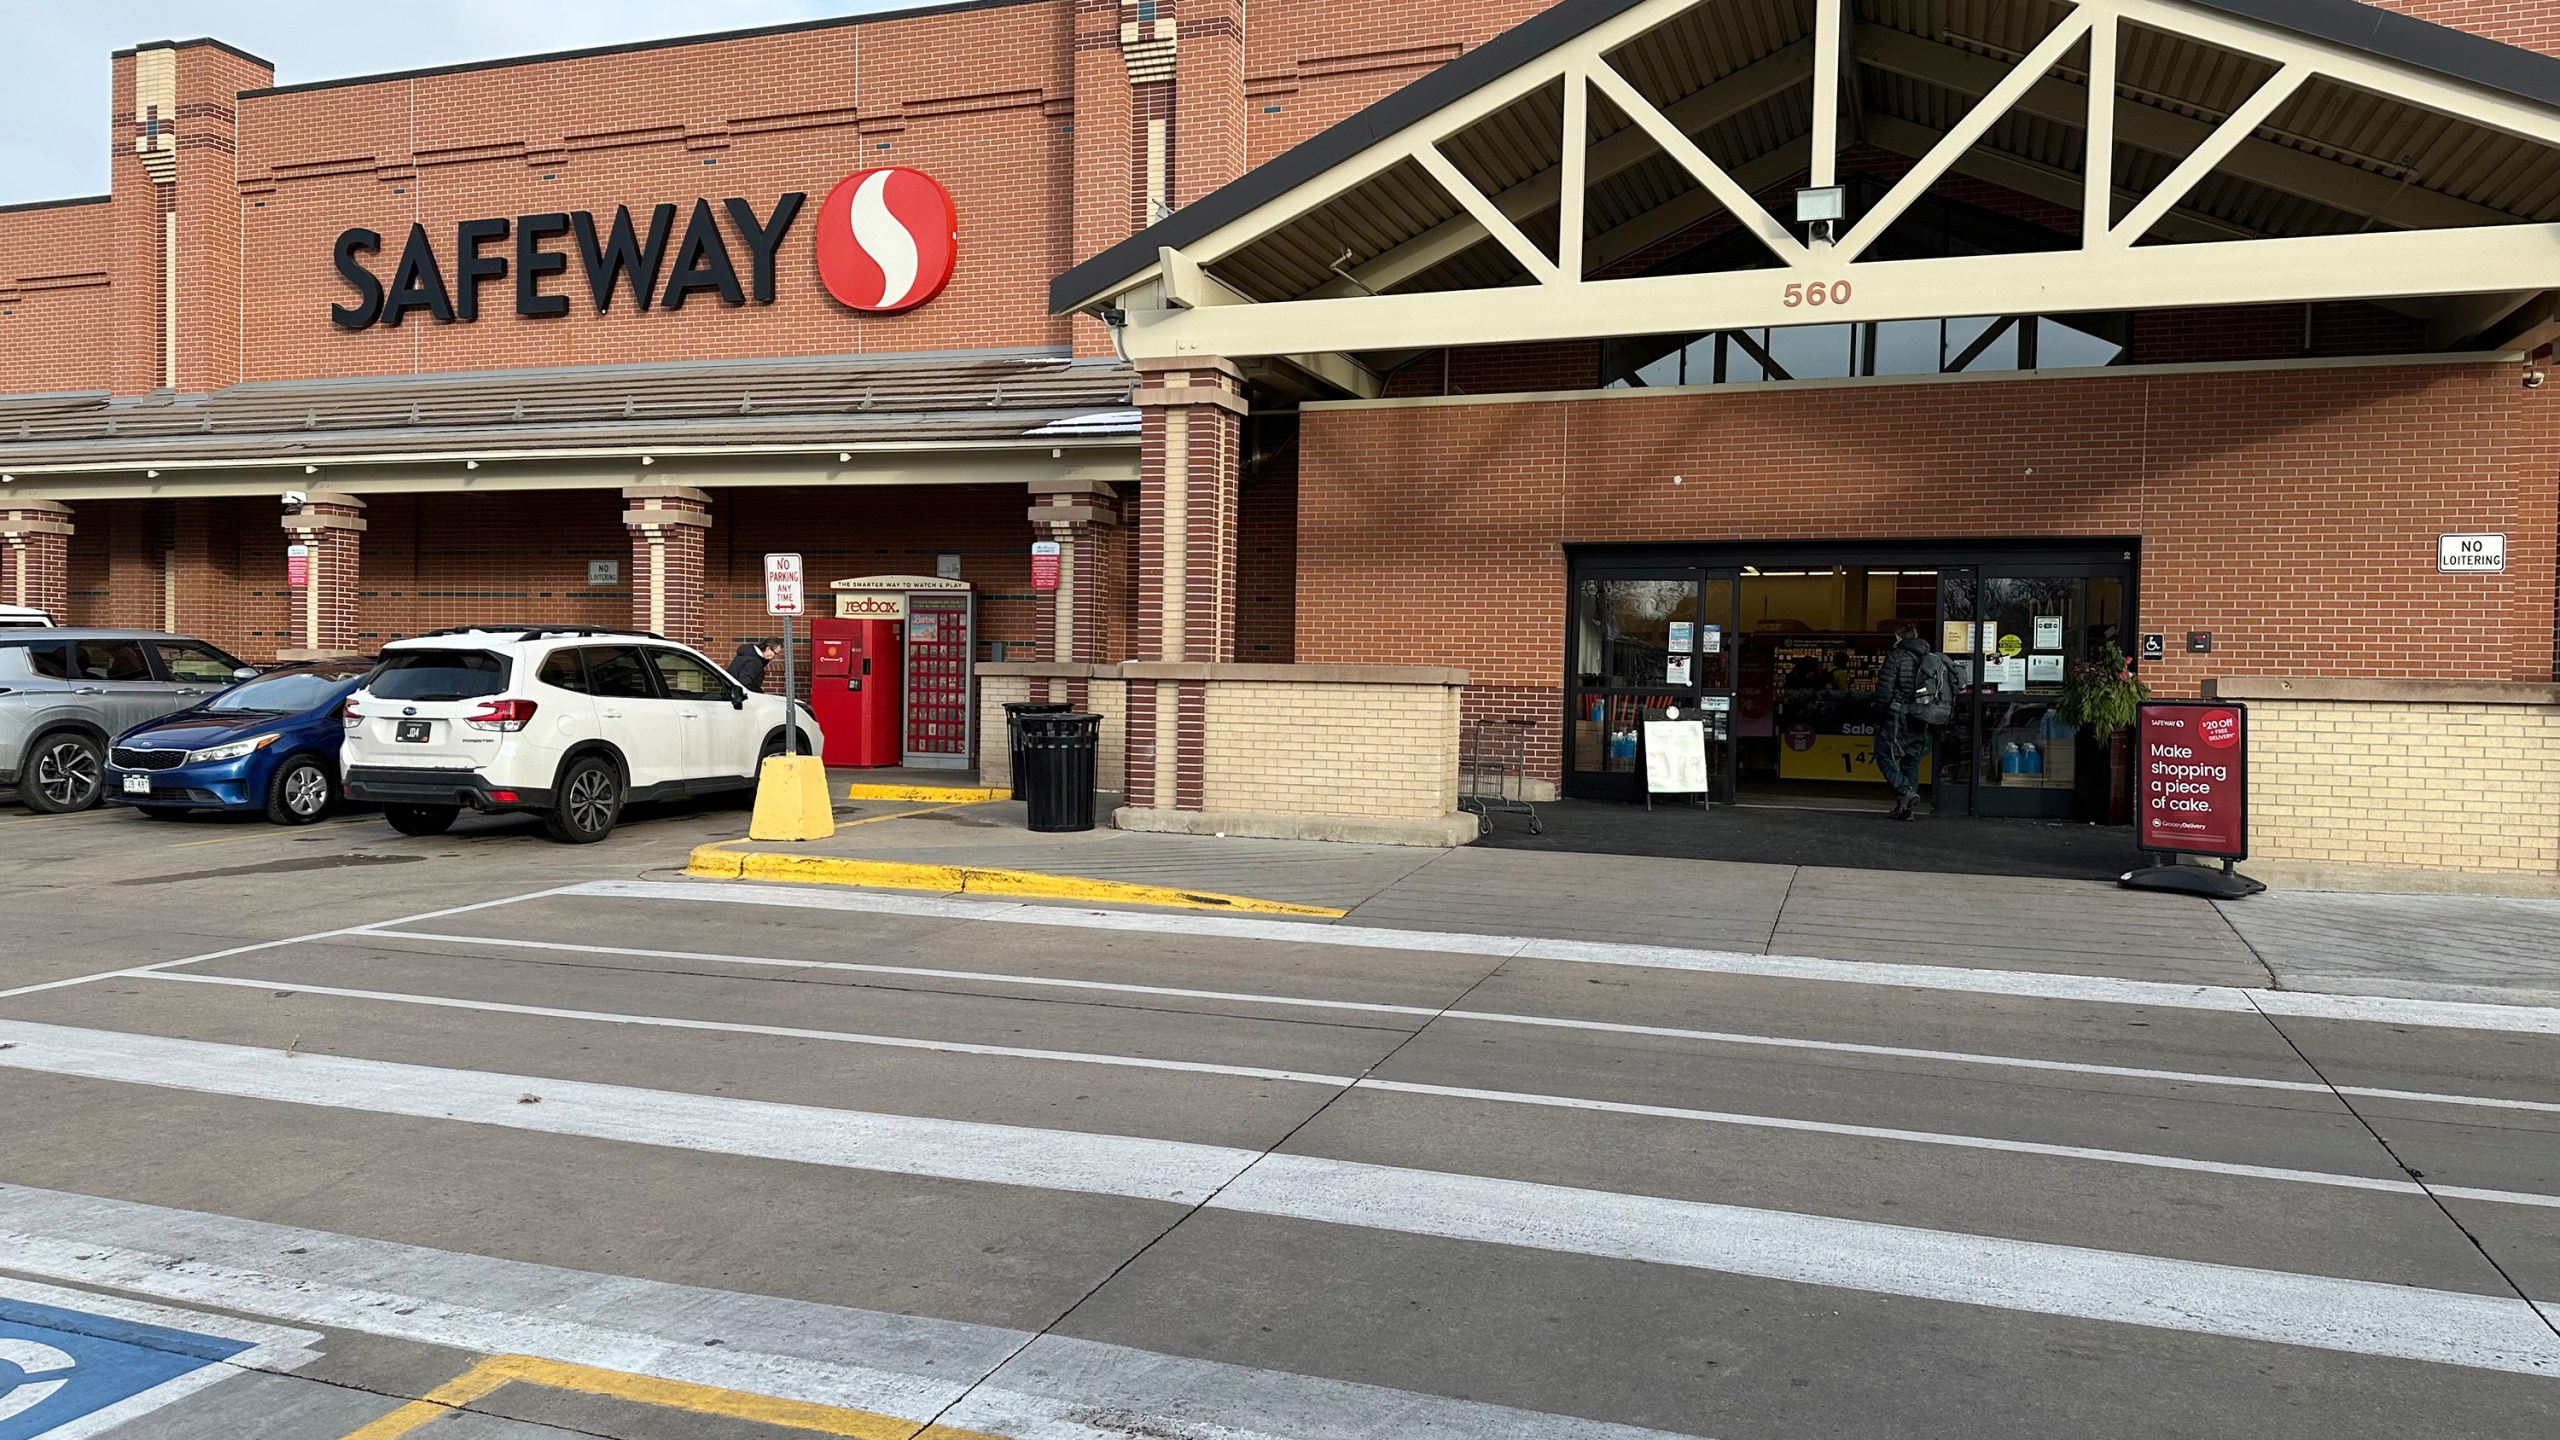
(1493, 771)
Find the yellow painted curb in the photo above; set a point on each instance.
(715, 862)
(929, 794)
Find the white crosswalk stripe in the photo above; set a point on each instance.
(2094, 989)
(2355, 1316)
(2386, 1184)
(903, 1365)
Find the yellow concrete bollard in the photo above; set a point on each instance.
(791, 800)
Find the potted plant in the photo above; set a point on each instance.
(2101, 698)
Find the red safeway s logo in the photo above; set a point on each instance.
(887, 239)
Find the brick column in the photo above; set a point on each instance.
(330, 527)
(35, 556)
(668, 525)
(1083, 518)
(1188, 466)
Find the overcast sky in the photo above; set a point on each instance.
(54, 141)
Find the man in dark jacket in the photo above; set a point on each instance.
(1902, 736)
(748, 665)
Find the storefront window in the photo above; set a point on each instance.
(1626, 667)
(1623, 630)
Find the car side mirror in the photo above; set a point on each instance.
(737, 699)
(245, 672)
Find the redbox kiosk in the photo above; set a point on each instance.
(891, 673)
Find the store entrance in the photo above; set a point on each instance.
(1777, 646)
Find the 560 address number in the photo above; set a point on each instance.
(1817, 293)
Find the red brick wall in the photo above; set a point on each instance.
(2293, 513)
(981, 99)
(1267, 546)
(2534, 24)
(1309, 63)
(54, 301)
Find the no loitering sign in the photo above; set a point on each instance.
(2471, 554)
(783, 592)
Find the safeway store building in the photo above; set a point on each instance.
(1362, 373)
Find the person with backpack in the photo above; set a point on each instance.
(1915, 690)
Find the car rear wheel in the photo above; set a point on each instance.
(589, 804)
(302, 792)
(421, 819)
(64, 772)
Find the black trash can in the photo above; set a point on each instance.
(1057, 763)
(1013, 713)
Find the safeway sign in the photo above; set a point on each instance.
(782, 588)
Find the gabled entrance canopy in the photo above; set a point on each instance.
(2248, 152)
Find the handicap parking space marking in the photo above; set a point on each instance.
(74, 1364)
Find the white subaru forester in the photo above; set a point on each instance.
(564, 722)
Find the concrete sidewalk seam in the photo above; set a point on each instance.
(716, 862)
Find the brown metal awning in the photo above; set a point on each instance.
(853, 404)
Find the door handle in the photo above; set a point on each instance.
(90, 690)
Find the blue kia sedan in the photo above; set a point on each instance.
(269, 744)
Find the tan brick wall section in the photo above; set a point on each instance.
(2432, 786)
(1106, 698)
(1298, 749)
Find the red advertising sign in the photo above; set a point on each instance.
(2192, 768)
(1044, 565)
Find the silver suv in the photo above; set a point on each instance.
(66, 694)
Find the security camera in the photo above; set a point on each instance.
(296, 497)
(1115, 317)
(2533, 377)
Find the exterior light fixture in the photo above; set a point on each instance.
(1823, 207)
(150, 474)
(844, 457)
(310, 469)
(648, 459)
(470, 464)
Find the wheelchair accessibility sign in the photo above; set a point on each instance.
(70, 1372)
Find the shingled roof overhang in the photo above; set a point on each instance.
(954, 416)
(2287, 150)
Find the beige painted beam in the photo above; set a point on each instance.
(2098, 137)
(1778, 72)
(2371, 266)
(2230, 135)
(2260, 162)
(1701, 167)
(1985, 113)
(1691, 206)
(2035, 179)
(1495, 223)
(1186, 286)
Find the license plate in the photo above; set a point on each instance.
(137, 784)
(413, 731)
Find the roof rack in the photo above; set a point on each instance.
(535, 632)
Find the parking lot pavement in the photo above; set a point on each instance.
(521, 1140)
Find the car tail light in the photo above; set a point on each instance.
(347, 712)
(503, 797)
(500, 715)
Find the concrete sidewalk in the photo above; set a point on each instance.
(2437, 947)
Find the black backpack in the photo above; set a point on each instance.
(1933, 700)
